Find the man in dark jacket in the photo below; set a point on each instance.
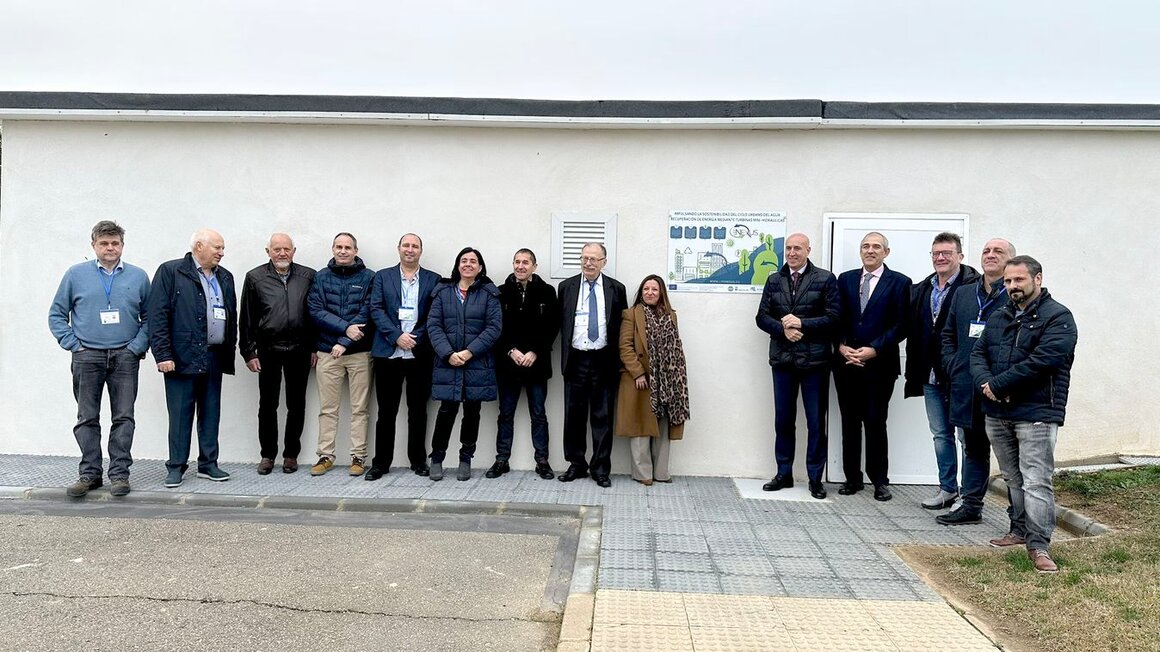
(193, 329)
(277, 339)
(930, 300)
(531, 321)
(966, 316)
(400, 301)
(874, 302)
(1022, 365)
(799, 310)
(339, 304)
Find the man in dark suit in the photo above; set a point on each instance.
(590, 311)
(400, 301)
(874, 302)
(193, 331)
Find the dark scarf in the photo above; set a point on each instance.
(668, 379)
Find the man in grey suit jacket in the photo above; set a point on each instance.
(590, 311)
(400, 300)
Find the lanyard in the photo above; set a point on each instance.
(984, 306)
(217, 289)
(107, 286)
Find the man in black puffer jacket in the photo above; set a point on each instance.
(799, 309)
(1022, 365)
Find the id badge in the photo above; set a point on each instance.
(406, 313)
(976, 329)
(219, 312)
(111, 316)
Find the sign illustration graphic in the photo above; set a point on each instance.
(724, 251)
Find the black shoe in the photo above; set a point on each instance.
(850, 488)
(544, 470)
(421, 470)
(960, 516)
(817, 489)
(779, 481)
(572, 473)
(497, 469)
(602, 480)
(882, 493)
(374, 473)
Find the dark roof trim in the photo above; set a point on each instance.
(987, 111)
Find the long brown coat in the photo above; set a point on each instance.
(634, 415)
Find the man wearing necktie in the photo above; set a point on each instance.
(590, 310)
(873, 303)
(193, 332)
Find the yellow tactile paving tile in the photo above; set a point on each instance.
(859, 641)
(824, 615)
(732, 639)
(734, 611)
(642, 638)
(640, 608)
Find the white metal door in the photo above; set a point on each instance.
(910, 235)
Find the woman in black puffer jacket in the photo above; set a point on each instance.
(464, 324)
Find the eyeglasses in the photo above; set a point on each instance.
(942, 254)
(590, 259)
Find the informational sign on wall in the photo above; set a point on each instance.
(724, 251)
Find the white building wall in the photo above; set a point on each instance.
(1079, 201)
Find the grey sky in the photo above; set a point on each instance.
(989, 50)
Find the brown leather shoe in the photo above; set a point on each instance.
(1042, 561)
(1007, 540)
(265, 466)
(289, 465)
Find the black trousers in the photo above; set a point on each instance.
(864, 399)
(589, 396)
(294, 366)
(468, 430)
(390, 376)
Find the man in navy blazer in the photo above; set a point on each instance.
(590, 313)
(400, 301)
(874, 301)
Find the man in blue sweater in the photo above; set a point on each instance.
(98, 315)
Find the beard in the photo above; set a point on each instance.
(282, 265)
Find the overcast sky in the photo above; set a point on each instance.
(873, 50)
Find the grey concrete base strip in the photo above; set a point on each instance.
(1070, 520)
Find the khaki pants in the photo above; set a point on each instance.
(356, 368)
(650, 455)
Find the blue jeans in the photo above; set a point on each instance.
(185, 396)
(509, 399)
(815, 390)
(946, 453)
(1026, 454)
(92, 371)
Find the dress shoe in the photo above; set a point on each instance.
(436, 472)
(1042, 561)
(960, 516)
(602, 480)
(83, 486)
(463, 473)
(779, 481)
(850, 488)
(265, 466)
(572, 473)
(882, 493)
(497, 469)
(544, 470)
(1007, 540)
(941, 500)
(289, 465)
(817, 489)
(647, 483)
(421, 470)
(374, 473)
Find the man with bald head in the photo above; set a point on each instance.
(193, 329)
(799, 310)
(277, 339)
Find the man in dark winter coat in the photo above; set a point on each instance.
(193, 331)
(799, 310)
(930, 300)
(531, 321)
(966, 316)
(277, 339)
(1022, 365)
(339, 303)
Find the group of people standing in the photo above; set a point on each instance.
(460, 340)
(990, 353)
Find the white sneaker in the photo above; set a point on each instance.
(940, 500)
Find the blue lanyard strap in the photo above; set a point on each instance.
(107, 286)
(983, 306)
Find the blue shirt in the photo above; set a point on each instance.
(215, 328)
(85, 292)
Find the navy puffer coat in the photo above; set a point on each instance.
(474, 324)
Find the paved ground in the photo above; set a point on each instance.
(697, 536)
